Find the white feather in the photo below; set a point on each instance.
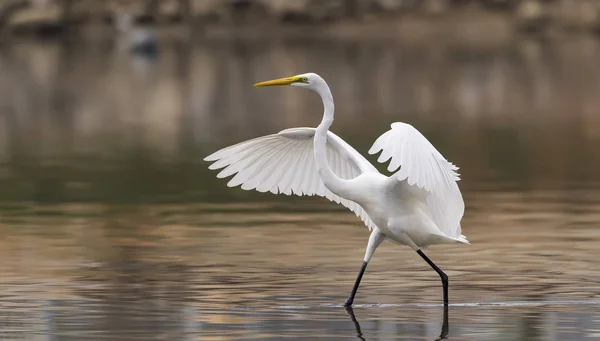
(421, 165)
(284, 163)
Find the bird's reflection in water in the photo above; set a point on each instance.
(359, 334)
(350, 312)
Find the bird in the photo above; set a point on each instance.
(140, 40)
(419, 204)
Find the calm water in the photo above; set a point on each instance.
(112, 228)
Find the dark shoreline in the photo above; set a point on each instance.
(471, 24)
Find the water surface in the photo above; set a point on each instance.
(112, 228)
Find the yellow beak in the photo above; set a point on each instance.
(280, 81)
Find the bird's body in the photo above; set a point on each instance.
(399, 211)
(418, 205)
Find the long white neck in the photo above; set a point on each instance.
(335, 184)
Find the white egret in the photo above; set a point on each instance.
(418, 205)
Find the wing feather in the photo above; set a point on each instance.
(284, 163)
(285, 184)
(421, 165)
(255, 178)
(270, 172)
(270, 184)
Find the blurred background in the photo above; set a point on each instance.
(112, 227)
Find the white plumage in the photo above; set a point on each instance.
(418, 205)
(285, 163)
(421, 165)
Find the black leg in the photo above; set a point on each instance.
(445, 326)
(440, 272)
(350, 299)
(359, 333)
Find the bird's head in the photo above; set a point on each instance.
(305, 80)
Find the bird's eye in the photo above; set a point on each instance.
(304, 80)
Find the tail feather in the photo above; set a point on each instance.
(463, 239)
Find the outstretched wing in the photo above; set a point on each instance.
(285, 163)
(421, 165)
